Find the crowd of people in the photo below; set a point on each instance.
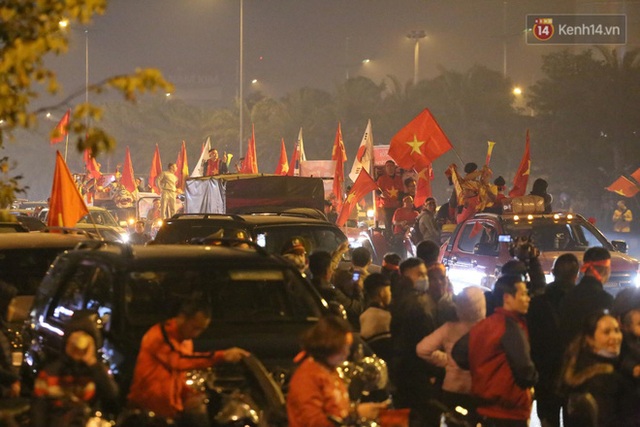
(569, 344)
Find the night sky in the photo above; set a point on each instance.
(289, 44)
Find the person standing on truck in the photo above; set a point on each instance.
(390, 185)
(166, 182)
(215, 165)
(622, 218)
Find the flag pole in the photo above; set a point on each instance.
(457, 154)
(66, 146)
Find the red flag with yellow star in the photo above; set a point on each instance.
(339, 154)
(283, 163)
(624, 187)
(522, 175)
(364, 185)
(419, 143)
(66, 205)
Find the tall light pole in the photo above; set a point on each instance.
(416, 35)
(241, 76)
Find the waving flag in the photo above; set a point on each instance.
(250, 163)
(295, 160)
(183, 167)
(636, 175)
(128, 179)
(364, 185)
(419, 143)
(66, 205)
(283, 163)
(202, 161)
(423, 185)
(156, 170)
(61, 130)
(339, 154)
(91, 165)
(624, 187)
(364, 157)
(524, 170)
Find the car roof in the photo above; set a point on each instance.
(38, 239)
(254, 219)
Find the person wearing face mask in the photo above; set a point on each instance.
(413, 317)
(317, 395)
(596, 391)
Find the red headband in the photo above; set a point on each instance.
(588, 266)
(390, 266)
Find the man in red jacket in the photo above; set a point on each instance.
(166, 354)
(497, 353)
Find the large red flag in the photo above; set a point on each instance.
(636, 175)
(364, 185)
(283, 163)
(183, 167)
(91, 165)
(66, 205)
(61, 130)
(128, 180)
(522, 175)
(419, 143)
(156, 170)
(624, 187)
(339, 154)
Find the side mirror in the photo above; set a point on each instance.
(620, 246)
(486, 249)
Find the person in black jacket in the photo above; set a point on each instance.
(544, 335)
(598, 395)
(588, 295)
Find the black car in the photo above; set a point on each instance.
(269, 230)
(259, 302)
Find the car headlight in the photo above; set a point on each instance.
(636, 280)
(124, 237)
(355, 243)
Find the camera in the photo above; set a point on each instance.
(523, 248)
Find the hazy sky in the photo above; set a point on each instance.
(293, 43)
(290, 44)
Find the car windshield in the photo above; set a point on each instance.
(25, 268)
(318, 238)
(99, 218)
(237, 295)
(558, 235)
(185, 231)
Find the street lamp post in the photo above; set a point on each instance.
(416, 35)
(241, 76)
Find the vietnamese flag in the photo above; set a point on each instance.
(91, 165)
(364, 185)
(419, 143)
(522, 175)
(183, 167)
(156, 170)
(128, 180)
(339, 154)
(66, 205)
(61, 130)
(283, 163)
(624, 187)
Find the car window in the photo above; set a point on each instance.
(550, 235)
(471, 235)
(71, 297)
(183, 232)
(236, 295)
(273, 238)
(25, 268)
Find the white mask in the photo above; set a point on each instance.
(422, 285)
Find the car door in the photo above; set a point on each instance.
(472, 259)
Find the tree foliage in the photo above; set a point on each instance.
(29, 30)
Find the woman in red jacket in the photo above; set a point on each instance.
(317, 395)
